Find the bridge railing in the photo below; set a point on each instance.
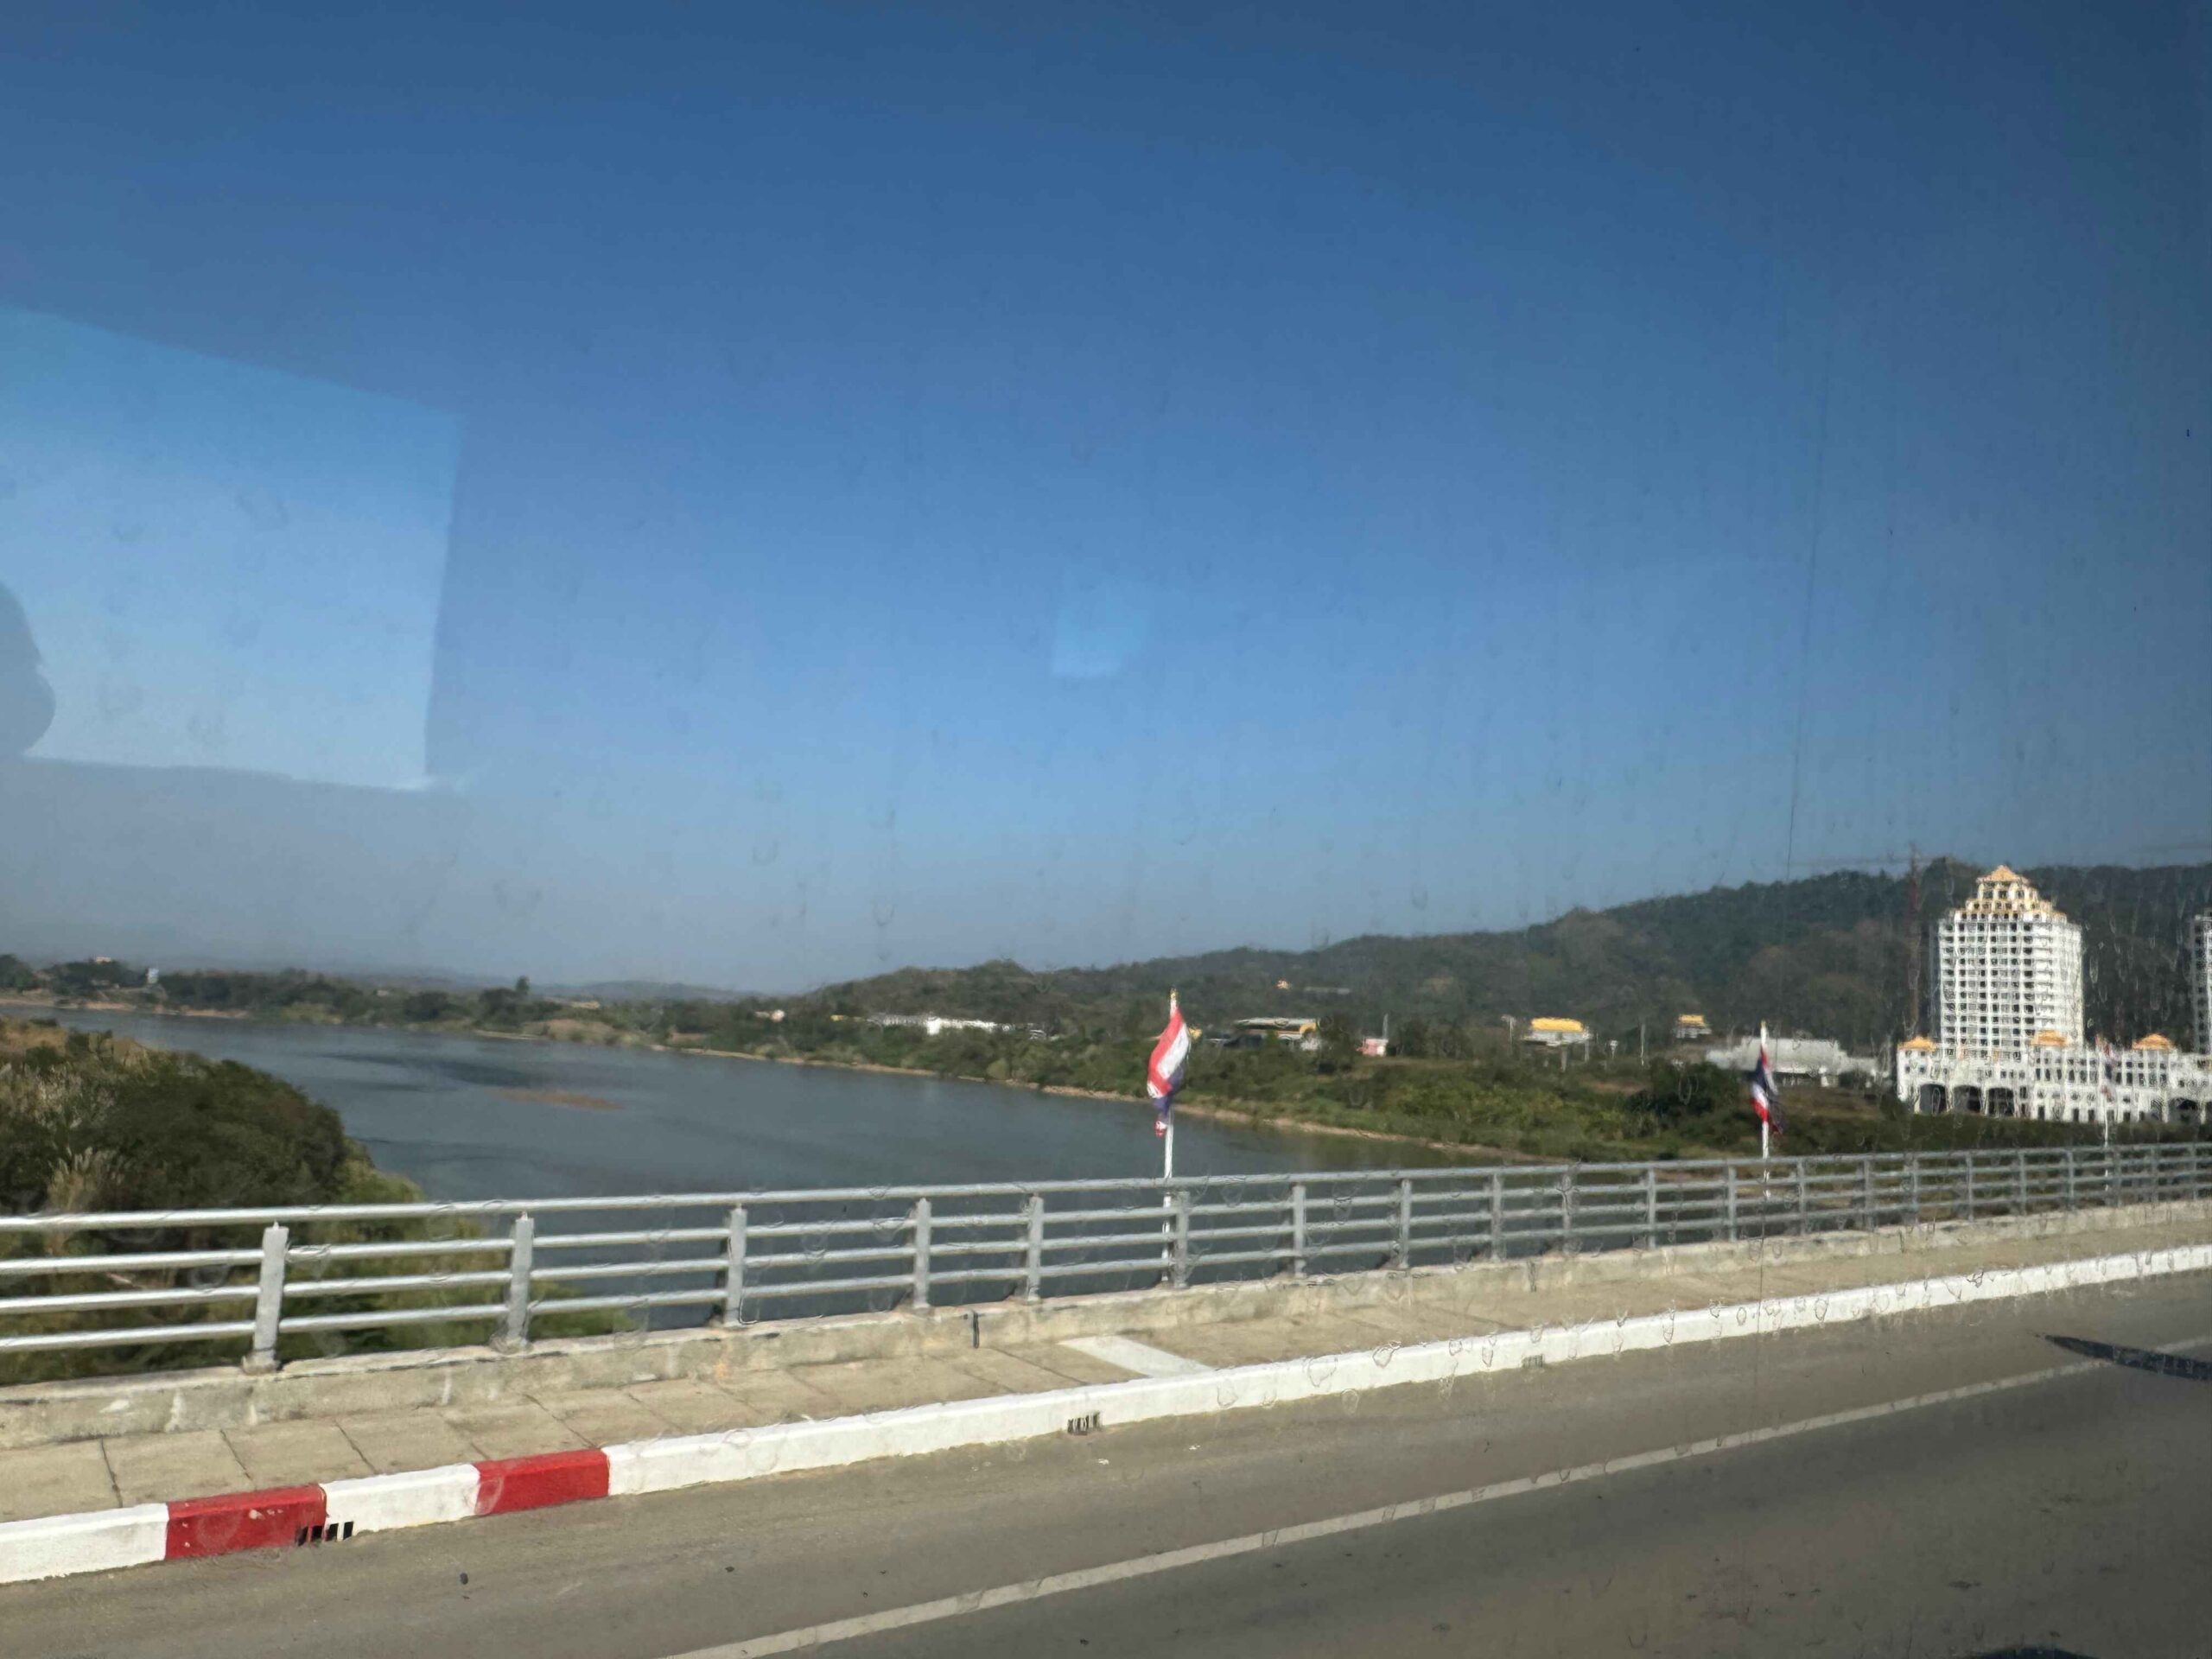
(271, 1283)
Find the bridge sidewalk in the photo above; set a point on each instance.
(118, 1471)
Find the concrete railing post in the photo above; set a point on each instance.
(734, 1268)
(2073, 1198)
(1912, 1186)
(1402, 1242)
(1032, 1246)
(1969, 1177)
(1180, 1258)
(269, 1299)
(1804, 1209)
(514, 1329)
(920, 1301)
(1567, 1211)
(1298, 1229)
(1650, 1208)
(1870, 1204)
(2020, 1181)
(2111, 1177)
(1498, 1214)
(1728, 1198)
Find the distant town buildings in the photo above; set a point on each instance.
(2008, 1038)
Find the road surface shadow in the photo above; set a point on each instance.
(2141, 1359)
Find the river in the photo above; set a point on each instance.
(452, 1113)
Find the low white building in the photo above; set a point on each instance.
(2058, 1082)
(931, 1024)
(1803, 1059)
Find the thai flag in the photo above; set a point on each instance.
(1164, 1076)
(1766, 1099)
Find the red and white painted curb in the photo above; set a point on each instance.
(289, 1517)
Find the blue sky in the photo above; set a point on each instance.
(1077, 483)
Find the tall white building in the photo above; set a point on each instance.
(2008, 970)
(2200, 978)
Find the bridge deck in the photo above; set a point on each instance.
(103, 1473)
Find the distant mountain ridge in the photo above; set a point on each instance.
(1827, 955)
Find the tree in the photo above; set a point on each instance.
(1430, 1039)
(1679, 1095)
(522, 985)
(15, 974)
(1339, 1043)
(424, 1007)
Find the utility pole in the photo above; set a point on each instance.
(1640, 1057)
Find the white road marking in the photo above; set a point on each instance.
(1255, 1543)
(1133, 1356)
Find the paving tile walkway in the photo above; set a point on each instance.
(134, 1469)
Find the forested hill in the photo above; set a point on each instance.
(1827, 955)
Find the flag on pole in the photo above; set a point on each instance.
(1766, 1099)
(1164, 1076)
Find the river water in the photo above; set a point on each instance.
(445, 1111)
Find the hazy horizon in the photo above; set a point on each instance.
(588, 981)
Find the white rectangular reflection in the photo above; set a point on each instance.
(220, 565)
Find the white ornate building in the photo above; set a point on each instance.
(2200, 974)
(2006, 984)
(2007, 965)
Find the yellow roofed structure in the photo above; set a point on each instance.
(2157, 1043)
(1563, 1027)
(2050, 1039)
(2006, 892)
(1917, 1045)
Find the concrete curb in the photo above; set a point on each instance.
(53, 1546)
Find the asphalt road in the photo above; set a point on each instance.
(2067, 1508)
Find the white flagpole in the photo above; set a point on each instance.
(1766, 1146)
(1167, 1174)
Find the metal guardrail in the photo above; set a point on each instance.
(329, 1272)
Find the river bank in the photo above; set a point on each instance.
(1255, 1115)
(468, 1117)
